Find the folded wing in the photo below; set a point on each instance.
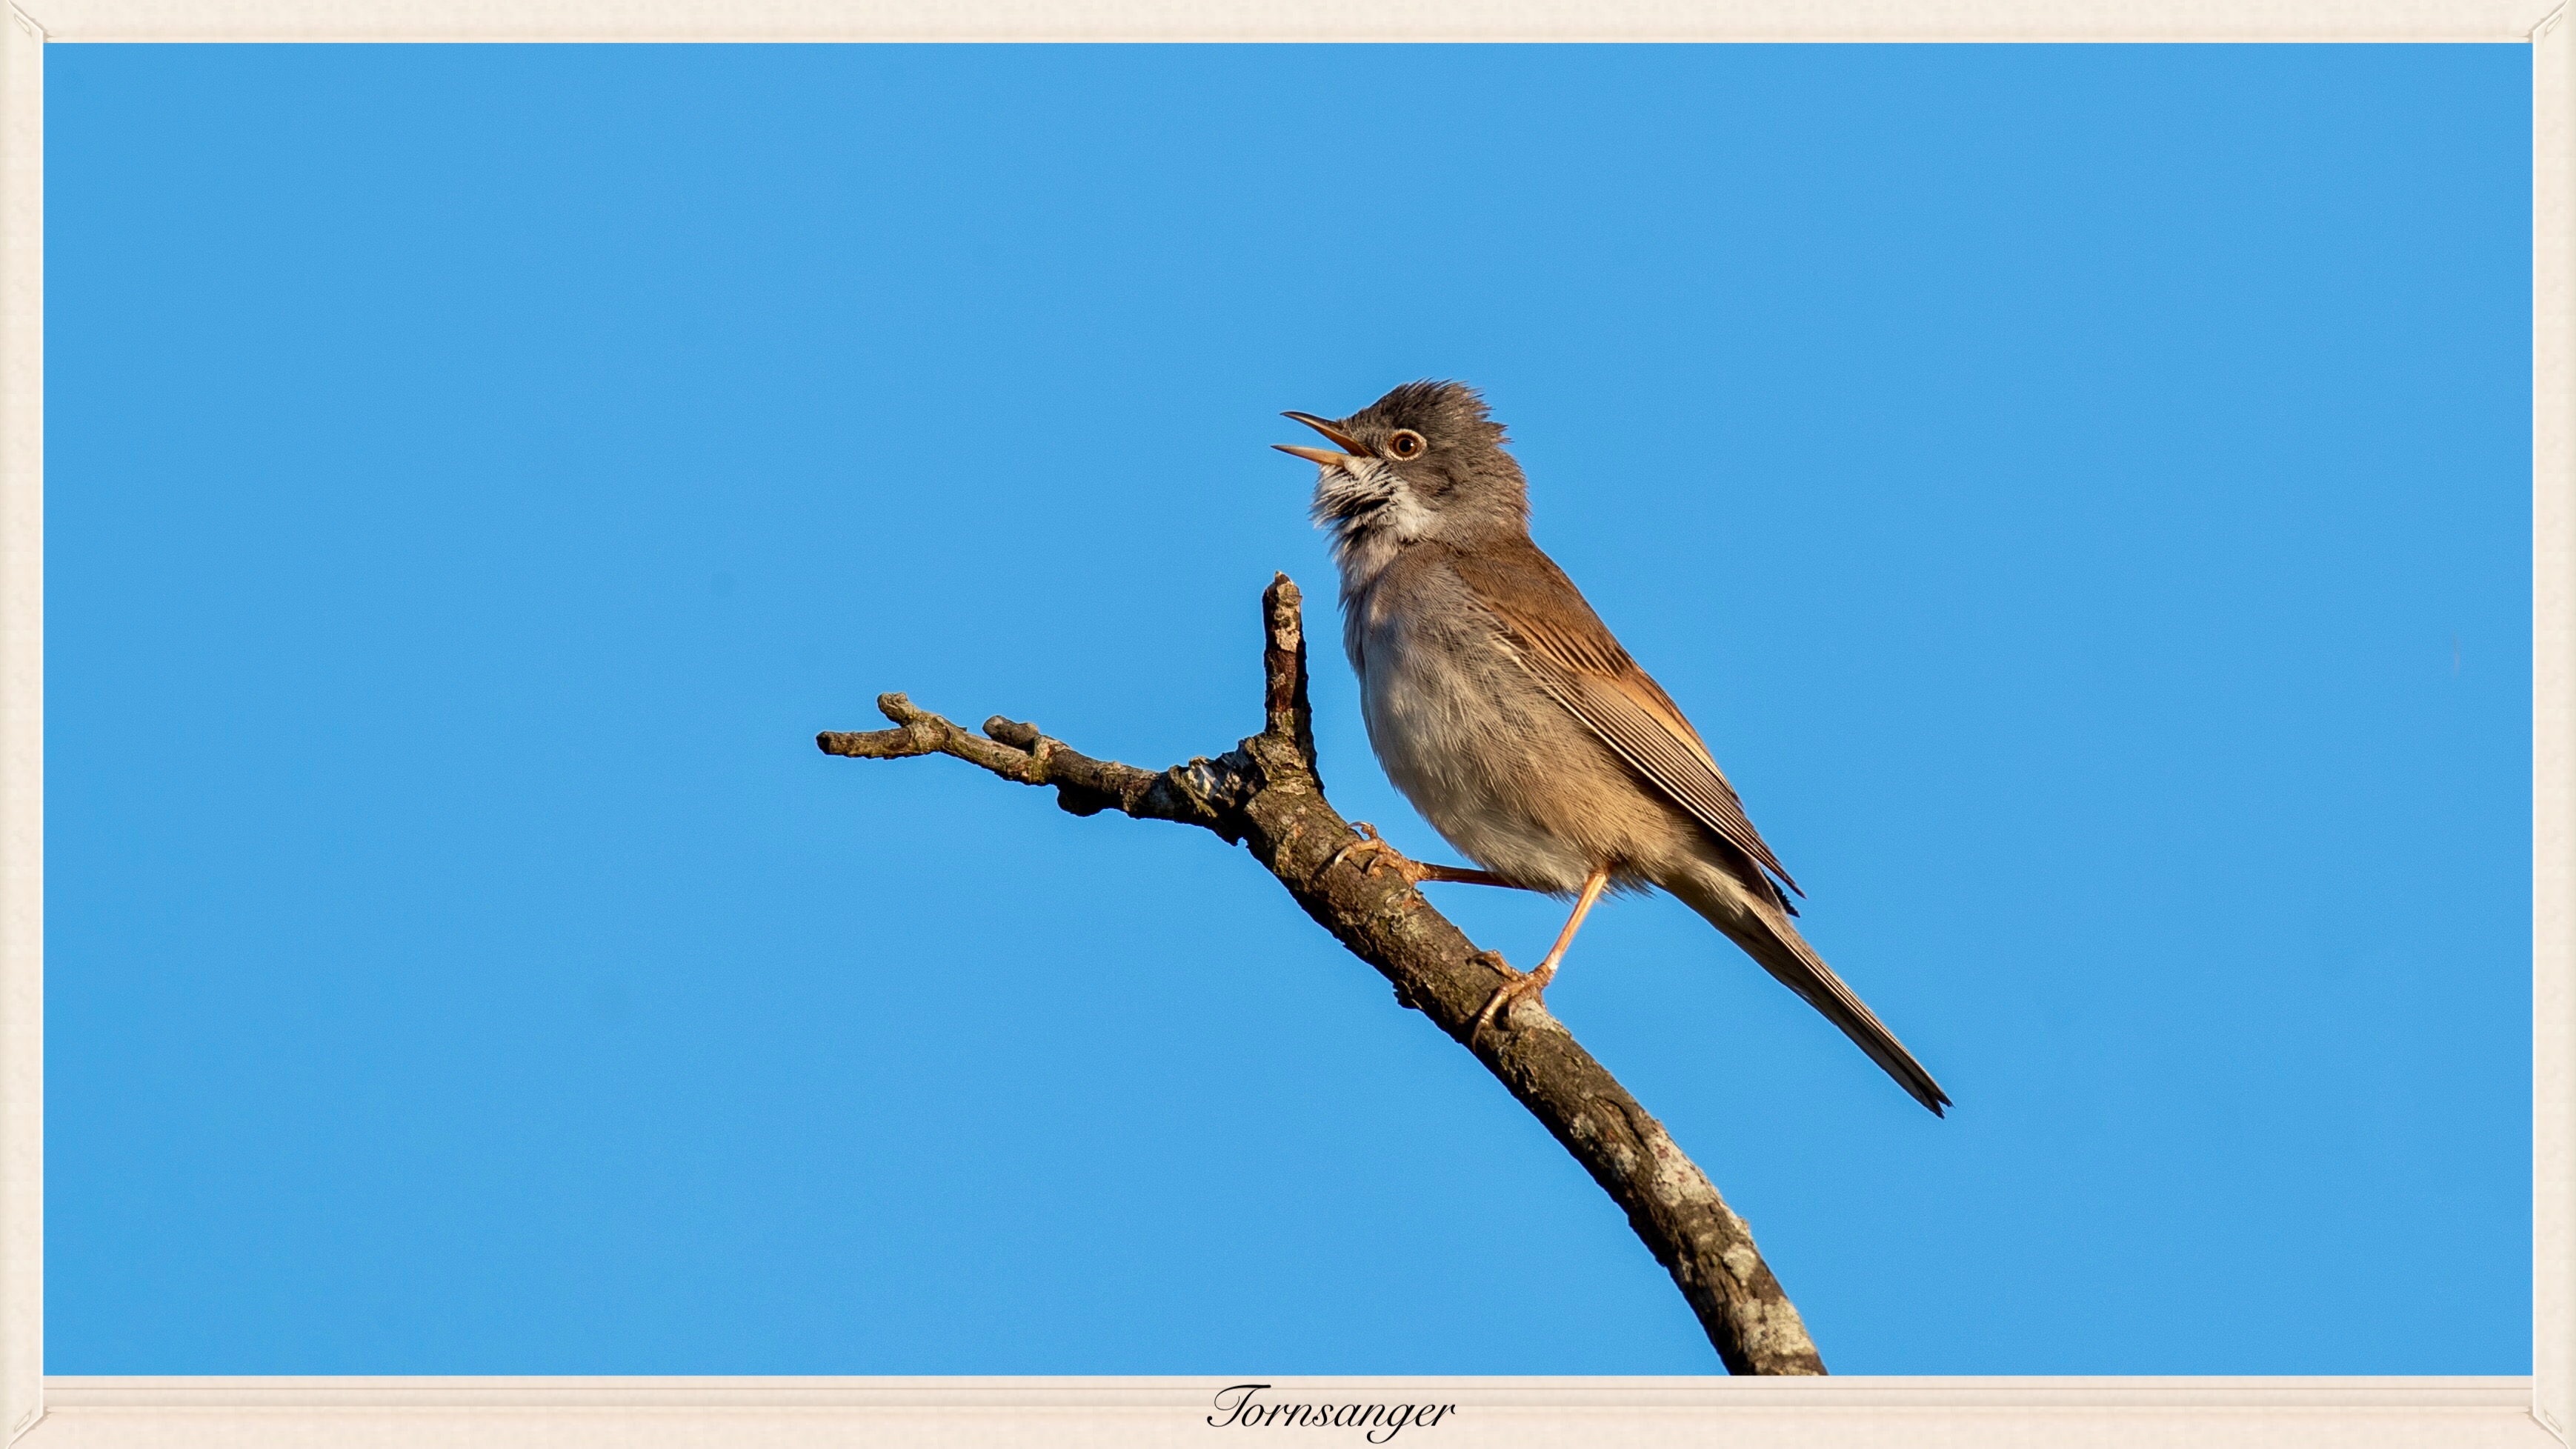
(1571, 653)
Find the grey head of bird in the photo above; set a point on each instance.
(1426, 461)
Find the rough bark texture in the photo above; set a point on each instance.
(1265, 793)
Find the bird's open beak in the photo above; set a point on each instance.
(1351, 451)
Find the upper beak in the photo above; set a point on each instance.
(1351, 451)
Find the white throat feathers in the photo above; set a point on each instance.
(1370, 513)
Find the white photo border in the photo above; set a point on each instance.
(212, 1413)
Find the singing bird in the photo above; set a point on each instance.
(1504, 710)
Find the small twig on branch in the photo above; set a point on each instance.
(1266, 793)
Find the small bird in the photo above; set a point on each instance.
(1501, 706)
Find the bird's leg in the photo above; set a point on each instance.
(1418, 872)
(1373, 848)
(1535, 982)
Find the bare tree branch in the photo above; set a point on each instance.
(1266, 793)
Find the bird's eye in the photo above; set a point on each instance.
(1405, 444)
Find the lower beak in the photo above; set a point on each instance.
(1351, 452)
(1319, 456)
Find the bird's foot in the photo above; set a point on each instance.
(1374, 854)
(1518, 986)
(1371, 849)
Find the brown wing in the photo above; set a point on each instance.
(1573, 656)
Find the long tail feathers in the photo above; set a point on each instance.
(1768, 938)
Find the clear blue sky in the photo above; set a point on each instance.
(2082, 495)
